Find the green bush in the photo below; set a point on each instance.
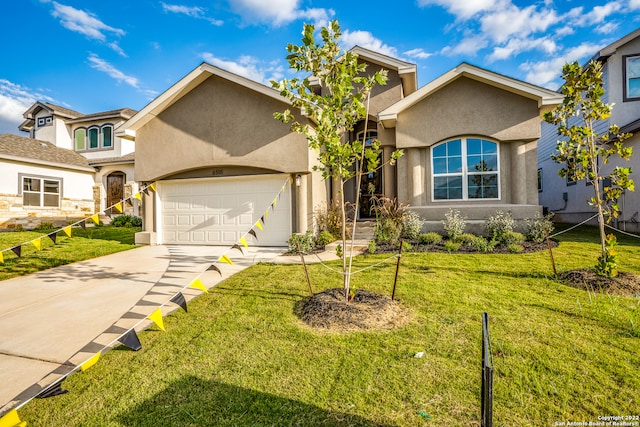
(406, 246)
(44, 226)
(387, 231)
(465, 239)
(515, 248)
(451, 246)
(324, 238)
(499, 224)
(411, 225)
(330, 219)
(431, 238)
(126, 221)
(454, 224)
(539, 226)
(481, 244)
(512, 238)
(301, 242)
(372, 247)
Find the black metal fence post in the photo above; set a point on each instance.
(487, 375)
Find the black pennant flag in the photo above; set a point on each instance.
(214, 268)
(145, 190)
(262, 219)
(129, 202)
(17, 250)
(238, 247)
(179, 300)
(253, 233)
(52, 236)
(130, 339)
(53, 390)
(83, 225)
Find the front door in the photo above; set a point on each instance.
(115, 189)
(370, 188)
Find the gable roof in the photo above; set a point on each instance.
(185, 85)
(544, 97)
(406, 70)
(609, 50)
(127, 158)
(122, 113)
(52, 108)
(20, 148)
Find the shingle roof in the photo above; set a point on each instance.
(65, 111)
(125, 113)
(41, 151)
(127, 158)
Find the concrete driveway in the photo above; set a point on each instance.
(54, 320)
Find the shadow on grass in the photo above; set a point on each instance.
(192, 401)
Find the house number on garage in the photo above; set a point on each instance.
(217, 172)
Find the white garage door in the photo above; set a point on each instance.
(219, 211)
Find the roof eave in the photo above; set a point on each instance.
(46, 163)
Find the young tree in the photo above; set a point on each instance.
(584, 152)
(342, 104)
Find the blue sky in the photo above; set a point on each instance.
(96, 55)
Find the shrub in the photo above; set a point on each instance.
(406, 246)
(498, 225)
(324, 238)
(301, 242)
(330, 219)
(539, 226)
(481, 244)
(465, 239)
(454, 223)
(512, 238)
(431, 238)
(514, 248)
(451, 246)
(387, 231)
(44, 226)
(126, 221)
(372, 247)
(411, 225)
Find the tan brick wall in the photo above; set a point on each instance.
(14, 216)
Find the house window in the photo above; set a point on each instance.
(80, 139)
(93, 138)
(43, 121)
(107, 136)
(465, 169)
(539, 180)
(41, 192)
(631, 77)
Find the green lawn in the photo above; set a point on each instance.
(84, 244)
(240, 356)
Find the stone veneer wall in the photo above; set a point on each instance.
(15, 216)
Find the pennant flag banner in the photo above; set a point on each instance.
(1, 258)
(244, 242)
(238, 247)
(225, 259)
(275, 202)
(11, 419)
(214, 268)
(131, 340)
(138, 196)
(152, 186)
(52, 236)
(37, 243)
(17, 250)
(83, 225)
(91, 361)
(178, 299)
(156, 317)
(266, 213)
(259, 225)
(118, 207)
(67, 230)
(95, 218)
(253, 233)
(54, 389)
(197, 284)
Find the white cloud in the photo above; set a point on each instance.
(469, 46)
(116, 48)
(365, 39)
(15, 100)
(515, 46)
(192, 11)
(100, 64)
(83, 22)
(607, 28)
(599, 13)
(417, 53)
(634, 4)
(247, 66)
(463, 9)
(548, 73)
(278, 12)
(502, 24)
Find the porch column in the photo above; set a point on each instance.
(302, 195)
(518, 173)
(388, 174)
(415, 176)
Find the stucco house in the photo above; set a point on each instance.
(568, 198)
(219, 158)
(72, 165)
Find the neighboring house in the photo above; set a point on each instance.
(219, 158)
(71, 166)
(567, 198)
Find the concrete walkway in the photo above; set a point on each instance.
(54, 320)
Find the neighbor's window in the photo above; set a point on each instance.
(465, 169)
(42, 192)
(539, 180)
(79, 136)
(632, 77)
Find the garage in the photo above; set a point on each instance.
(219, 211)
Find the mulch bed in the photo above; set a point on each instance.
(527, 247)
(626, 284)
(366, 311)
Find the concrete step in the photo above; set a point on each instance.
(359, 245)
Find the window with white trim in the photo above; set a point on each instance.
(631, 77)
(465, 169)
(40, 191)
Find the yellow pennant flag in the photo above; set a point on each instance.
(1, 258)
(118, 207)
(156, 317)
(95, 218)
(266, 214)
(37, 243)
(11, 419)
(91, 361)
(138, 196)
(259, 225)
(275, 202)
(152, 186)
(67, 230)
(199, 285)
(244, 242)
(226, 259)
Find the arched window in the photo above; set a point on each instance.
(107, 136)
(465, 169)
(80, 136)
(93, 137)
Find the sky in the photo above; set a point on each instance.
(97, 55)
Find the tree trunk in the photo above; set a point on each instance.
(343, 212)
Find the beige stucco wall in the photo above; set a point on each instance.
(219, 123)
(384, 96)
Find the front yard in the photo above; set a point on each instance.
(241, 357)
